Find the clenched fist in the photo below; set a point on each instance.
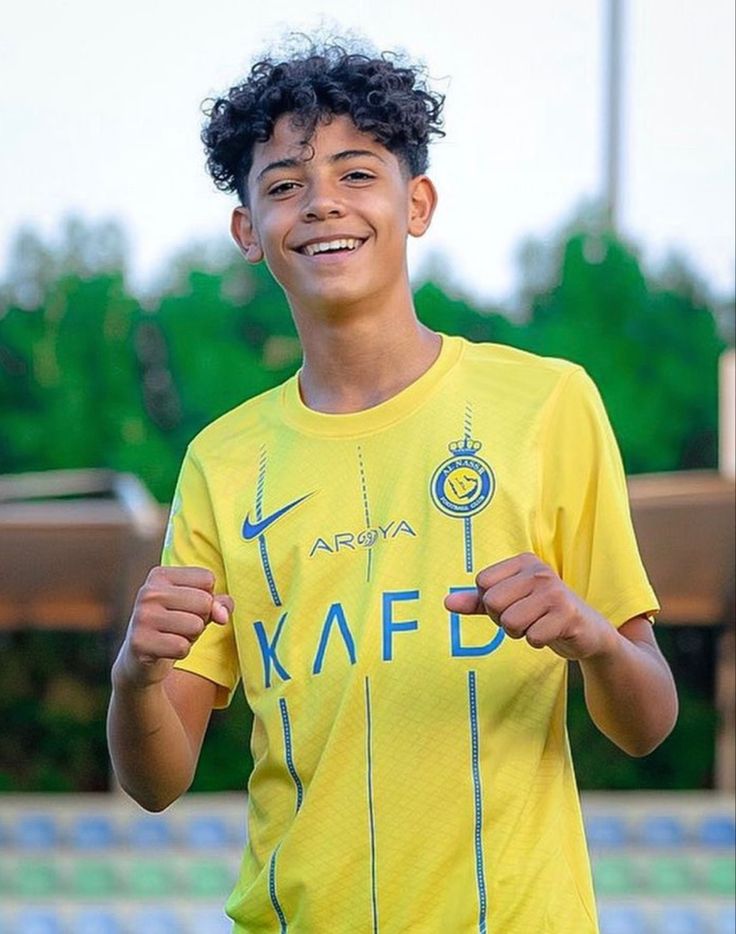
(171, 611)
(527, 599)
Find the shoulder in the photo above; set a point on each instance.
(502, 355)
(245, 426)
(529, 373)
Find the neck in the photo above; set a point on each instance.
(355, 359)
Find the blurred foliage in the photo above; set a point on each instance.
(686, 759)
(226, 761)
(651, 346)
(92, 375)
(53, 700)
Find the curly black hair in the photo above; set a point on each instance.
(383, 97)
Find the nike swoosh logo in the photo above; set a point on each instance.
(252, 530)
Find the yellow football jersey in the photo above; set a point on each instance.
(411, 766)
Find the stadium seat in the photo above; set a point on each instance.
(682, 920)
(211, 921)
(614, 876)
(603, 831)
(622, 919)
(720, 876)
(209, 879)
(38, 921)
(662, 831)
(670, 876)
(725, 922)
(203, 832)
(239, 831)
(717, 831)
(96, 921)
(36, 879)
(94, 879)
(150, 832)
(152, 879)
(36, 832)
(93, 832)
(156, 920)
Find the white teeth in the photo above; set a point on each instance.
(324, 246)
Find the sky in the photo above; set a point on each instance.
(100, 116)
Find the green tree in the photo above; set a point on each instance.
(441, 312)
(652, 346)
(65, 329)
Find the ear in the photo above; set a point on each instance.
(244, 234)
(422, 202)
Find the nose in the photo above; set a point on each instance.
(321, 203)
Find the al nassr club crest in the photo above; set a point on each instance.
(464, 484)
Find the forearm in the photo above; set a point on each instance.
(150, 750)
(630, 694)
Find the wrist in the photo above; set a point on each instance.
(129, 675)
(606, 643)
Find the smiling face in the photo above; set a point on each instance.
(331, 216)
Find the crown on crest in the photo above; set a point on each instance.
(464, 446)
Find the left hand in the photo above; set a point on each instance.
(527, 599)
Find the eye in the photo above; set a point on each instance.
(282, 188)
(358, 175)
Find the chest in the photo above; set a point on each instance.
(340, 553)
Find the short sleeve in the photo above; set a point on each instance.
(192, 540)
(585, 526)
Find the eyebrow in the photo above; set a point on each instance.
(342, 156)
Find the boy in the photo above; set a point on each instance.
(396, 551)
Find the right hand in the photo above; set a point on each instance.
(171, 612)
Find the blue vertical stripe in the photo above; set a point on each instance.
(262, 549)
(263, 460)
(369, 758)
(267, 571)
(468, 543)
(478, 830)
(467, 521)
(288, 753)
(468, 422)
(366, 512)
(272, 892)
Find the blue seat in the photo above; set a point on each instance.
(211, 921)
(207, 831)
(662, 830)
(96, 921)
(156, 920)
(718, 831)
(682, 920)
(604, 831)
(239, 832)
(38, 921)
(36, 832)
(622, 919)
(725, 922)
(150, 832)
(93, 831)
